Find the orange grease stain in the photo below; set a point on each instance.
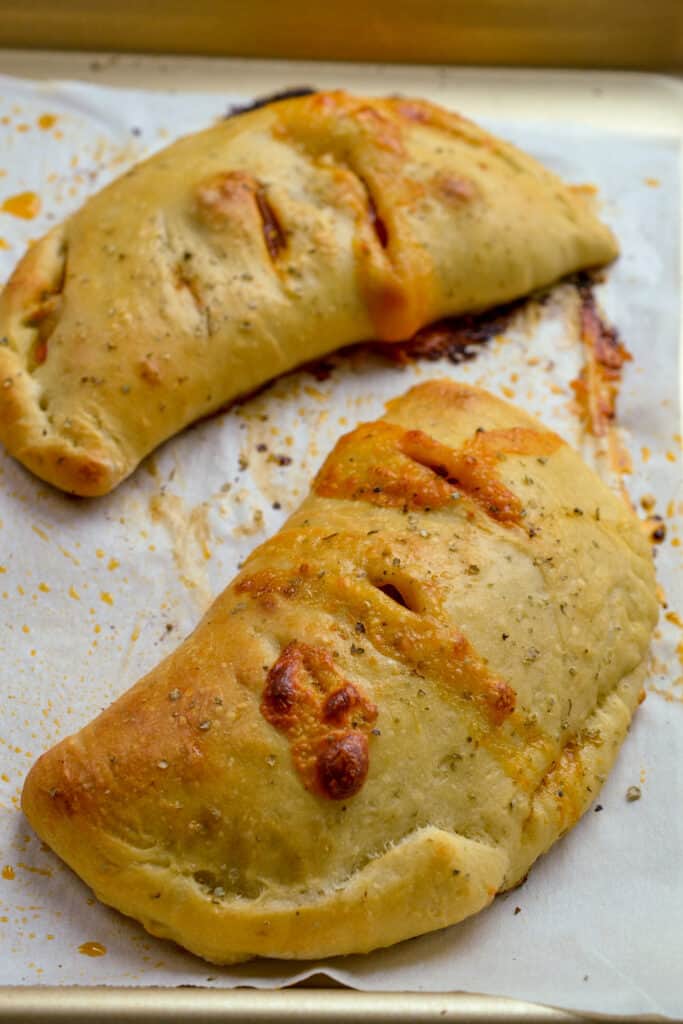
(4, 244)
(668, 696)
(47, 121)
(92, 949)
(8, 872)
(36, 871)
(24, 204)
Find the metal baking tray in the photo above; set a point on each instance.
(294, 1005)
(535, 33)
(621, 101)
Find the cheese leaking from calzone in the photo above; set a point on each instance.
(250, 248)
(403, 699)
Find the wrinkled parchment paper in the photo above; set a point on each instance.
(93, 593)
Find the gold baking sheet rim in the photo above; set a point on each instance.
(524, 93)
(296, 1005)
(533, 33)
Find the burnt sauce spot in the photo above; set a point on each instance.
(656, 528)
(274, 97)
(455, 338)
(597, 387)
(342, 765)
(609, 349)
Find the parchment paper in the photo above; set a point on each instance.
(93, 593)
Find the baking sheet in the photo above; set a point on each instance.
(97, 592)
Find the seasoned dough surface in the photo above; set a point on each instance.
(242, 251)
(403, 699)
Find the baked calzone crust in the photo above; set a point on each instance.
(268, 240)
(403, 699)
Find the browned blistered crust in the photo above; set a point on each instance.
(263, 243)
(401, 701)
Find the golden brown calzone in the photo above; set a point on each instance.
(247, 249)
(403, 699)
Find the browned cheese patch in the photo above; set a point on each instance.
(325, 717)
(385, 465)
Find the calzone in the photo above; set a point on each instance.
(403, 699)
(264, 242)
